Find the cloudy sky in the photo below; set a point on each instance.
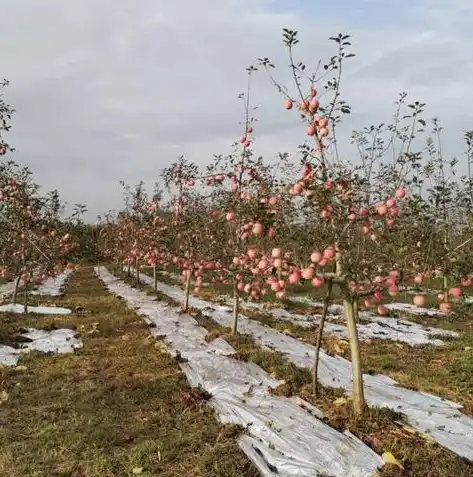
(110, 90)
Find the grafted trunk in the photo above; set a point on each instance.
(25, 298)
(445, 288)
(357, 374)
(15, 291)
(235, 308)
(350, 318)
(357, 315)
(185, 305)
(155, 278)
(320, 333)
(137, 272)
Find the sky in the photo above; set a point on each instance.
(110, 90)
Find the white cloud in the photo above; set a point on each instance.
(116, 89)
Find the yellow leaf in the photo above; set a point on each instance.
(337, 349)
(390, 459)
(3, 397)
(340, 401)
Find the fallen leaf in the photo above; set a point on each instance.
(337, 349)
(137, 470)
(390, 459)
(341, 401)
(160, 346)
(4, 397)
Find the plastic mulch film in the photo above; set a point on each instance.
(439, 419)
(285, 436)
(59, 341)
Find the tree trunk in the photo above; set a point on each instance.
(187, 292)
(445, 288)
(350, 318)
(128, 272)
(358, 393)
(155, 278)
(25, 298)
(15, 292)
(445, 244)
(236, 306)
(319, 339)
(137, 272)
(356, 310)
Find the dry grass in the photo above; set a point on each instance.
(119, 405)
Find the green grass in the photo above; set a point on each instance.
(119, 406)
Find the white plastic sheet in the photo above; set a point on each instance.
(54, 286)
(8, 288)
(41, 310)
(420, 291)
(382, 328)
(415, 310)
(59, 341)
(403, 307)
(285, 438)
(439, 419)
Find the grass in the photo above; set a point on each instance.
(379, 428)
(118, 407)
(446, 371)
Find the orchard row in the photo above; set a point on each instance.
(394, 217)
